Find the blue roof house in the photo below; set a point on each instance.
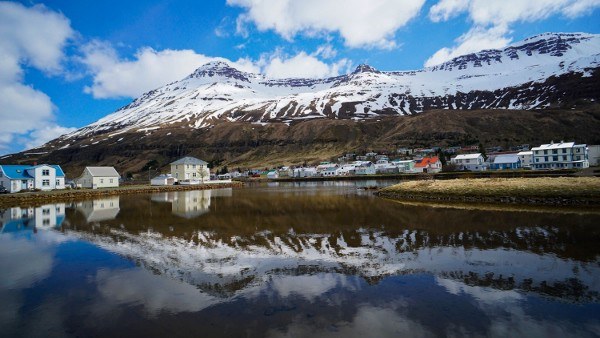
(24, 177)
(506, 162)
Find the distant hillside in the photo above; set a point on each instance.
(253, 145)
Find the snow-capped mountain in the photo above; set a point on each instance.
(526, 75)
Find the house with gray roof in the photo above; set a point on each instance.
(98, 177)
(25, 177)
(191, 169)
(506, 162)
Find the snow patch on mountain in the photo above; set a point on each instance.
(217, 91)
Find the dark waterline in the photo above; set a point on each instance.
(295, 259)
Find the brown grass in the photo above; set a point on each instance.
(588, 187)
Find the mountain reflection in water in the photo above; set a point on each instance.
(297, 260)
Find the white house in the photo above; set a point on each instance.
(305, 172)
(562, 155)
(526, 158)
(163, 179)
(273, 174)
(98, 177)
(365, 168)
(190, 168)
(429, 165)
(472, 162)
(22, 177)
(405, 166)
(347, 169)
(331, 171)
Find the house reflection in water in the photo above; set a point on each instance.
(100, 209)
(49, 216)
(190, 204)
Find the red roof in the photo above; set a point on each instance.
(427, 161)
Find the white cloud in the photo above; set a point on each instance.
(115, 77)
(492, 20)
(360, 23)
(40, 136)
(446, 9)
(149, 69)
(475, 40)
(303, 65)
(581, 7)
(33, 37)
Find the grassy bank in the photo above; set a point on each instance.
(548, 190)
(41, 197)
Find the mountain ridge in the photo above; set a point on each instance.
(217, 91)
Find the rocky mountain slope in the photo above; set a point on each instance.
(219, 112)
(517, 77)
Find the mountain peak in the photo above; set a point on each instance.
(364, 68)
(219, 69)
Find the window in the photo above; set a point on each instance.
(564, 157)
(111, 180)
(545, 158)
(46, 222)
(57, 182)
(101, 180)
(193, 166)
(564, 151)
(555, 151)
(45, 183)
(194, 174)
(545, 152)
(555, 158)
(45, 211)
(46, 172)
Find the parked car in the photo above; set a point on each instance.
(3, 190)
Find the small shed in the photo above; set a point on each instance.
(164, 179)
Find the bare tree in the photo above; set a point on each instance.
(202, 173)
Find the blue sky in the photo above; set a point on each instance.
(68, 63)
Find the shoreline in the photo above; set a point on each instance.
(423, 176)
(569, 192)
(67, 195)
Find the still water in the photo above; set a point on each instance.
(295, 260)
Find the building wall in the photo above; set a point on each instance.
(106, 182)
(594, 155)
(562, 158)
(88, 181)
(189, 171)
(38, 181)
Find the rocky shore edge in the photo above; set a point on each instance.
(585, 192)
(43, 197)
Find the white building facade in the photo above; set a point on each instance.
(25, 177)
(98, 177)
(471, 162)
(562, 155)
